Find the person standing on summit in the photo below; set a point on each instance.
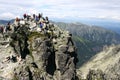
(25, 16)
(40, 15)
(46, 23)
(8, 27)
(46, 20)
(34, 16)
(1, 29)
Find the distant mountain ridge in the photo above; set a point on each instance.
(87, 31)
(110, 24)
(89, 39)
(6, 21)
(3, 21)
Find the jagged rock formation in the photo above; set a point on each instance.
(28, 53)
(103, 66)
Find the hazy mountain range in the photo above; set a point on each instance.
(106, 23)
(89, 39)
(3, 21)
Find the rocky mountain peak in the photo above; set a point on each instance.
(35, 49)
(103, 66)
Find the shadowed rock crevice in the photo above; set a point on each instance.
(51, 67)
(19, 42)
(25, 51)
(30, 74)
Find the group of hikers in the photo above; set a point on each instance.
(32, 21)
(5, 28)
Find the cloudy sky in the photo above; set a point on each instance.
(108, 9)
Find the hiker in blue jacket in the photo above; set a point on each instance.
(41, 25)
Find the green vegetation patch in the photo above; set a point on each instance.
(76, 38)
(31, 37)
(35, 35)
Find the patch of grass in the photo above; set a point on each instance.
(15, 77)
(31, 37)
(31, 53)
(80, 39)
(35, 35)
(1, 71)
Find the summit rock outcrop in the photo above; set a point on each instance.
(29, 52)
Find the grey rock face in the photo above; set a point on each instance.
(37, 56)
(103, 66)
(63, 48)
(96, 75)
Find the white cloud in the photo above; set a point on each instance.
(61, 8)
(116, 17)
(8, 16)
